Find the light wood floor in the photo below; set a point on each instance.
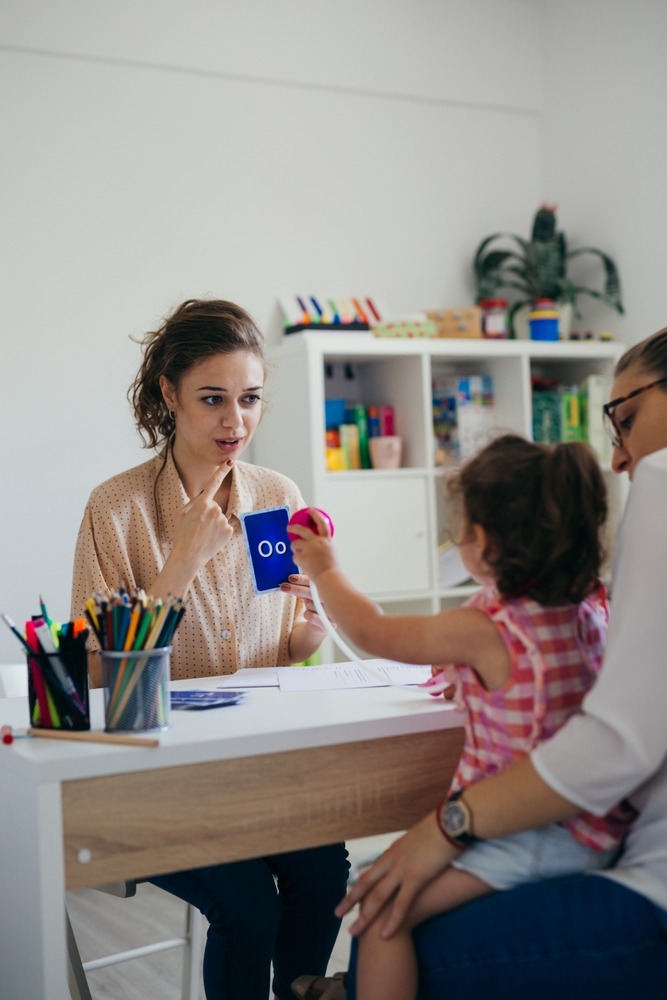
(103, 924)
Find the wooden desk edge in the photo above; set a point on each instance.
(148, 822)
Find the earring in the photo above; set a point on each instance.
(172, 414)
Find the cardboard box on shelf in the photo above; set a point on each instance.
(464, 322)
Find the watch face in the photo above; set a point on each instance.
(454, 819)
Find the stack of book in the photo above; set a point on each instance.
(567, 412)
(349, 426)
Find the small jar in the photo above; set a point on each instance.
(495, 323)
(543, 321)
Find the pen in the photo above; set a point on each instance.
(334, 310)
(45, 613)
(360, 312)
(10, 625)
(306, 315)
(44, 710)
(90, 737)
(371, 306)
(322, 317)
(348, 312)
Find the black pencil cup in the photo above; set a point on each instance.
(58, 689)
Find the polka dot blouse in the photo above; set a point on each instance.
(126, 535)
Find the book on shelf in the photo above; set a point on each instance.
(547, 415)
(572, 428)
(595, 391)
(463, 414)
(349, 442)
(358, 415)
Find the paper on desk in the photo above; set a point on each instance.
(252, 677)
(350, 675)
(328, 676)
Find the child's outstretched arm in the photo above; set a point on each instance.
(459, 635)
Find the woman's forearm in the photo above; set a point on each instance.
(515, 800)
(304, 640)
(175, 577)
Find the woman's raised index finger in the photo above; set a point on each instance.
(214, 483)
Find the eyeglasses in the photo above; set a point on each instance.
(612, 428)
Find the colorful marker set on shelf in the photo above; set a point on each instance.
(136, 684)
(57, 670)
(301, 312)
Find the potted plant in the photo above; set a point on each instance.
(537, 268)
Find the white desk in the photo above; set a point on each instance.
(277, 772)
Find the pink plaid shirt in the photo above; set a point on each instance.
(556, 654)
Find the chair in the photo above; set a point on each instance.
(191, 942)
(13, 680)
(13, 684)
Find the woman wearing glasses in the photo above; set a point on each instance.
(636, 417)
(602, 934)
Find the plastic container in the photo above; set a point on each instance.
(58, 689)
(544, 321)
(495, 318)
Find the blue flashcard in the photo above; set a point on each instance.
(198, 700)
(268, 546)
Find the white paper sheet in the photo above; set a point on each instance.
(350, 675)
(252, 677)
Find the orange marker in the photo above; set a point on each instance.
(361, 315)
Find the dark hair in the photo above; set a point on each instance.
(196, 330)
(649, 355)
(544, 508)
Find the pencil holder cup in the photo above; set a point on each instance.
(136, 689)
(58, 689)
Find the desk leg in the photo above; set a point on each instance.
(32, 900)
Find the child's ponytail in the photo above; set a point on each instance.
(574, 512)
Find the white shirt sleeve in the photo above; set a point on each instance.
(619, 741)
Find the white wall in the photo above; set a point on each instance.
(605, 144)
(153, 152)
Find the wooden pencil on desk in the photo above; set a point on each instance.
(86, 736)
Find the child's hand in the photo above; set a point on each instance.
(299, 585)
(445, 680)
(314, 553)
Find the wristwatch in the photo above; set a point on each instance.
(455, 821)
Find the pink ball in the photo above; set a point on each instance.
(303, 517)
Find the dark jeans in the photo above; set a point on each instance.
(276, 909)
(569, 938)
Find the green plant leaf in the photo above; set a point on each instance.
(537, 268)
(612, 284)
